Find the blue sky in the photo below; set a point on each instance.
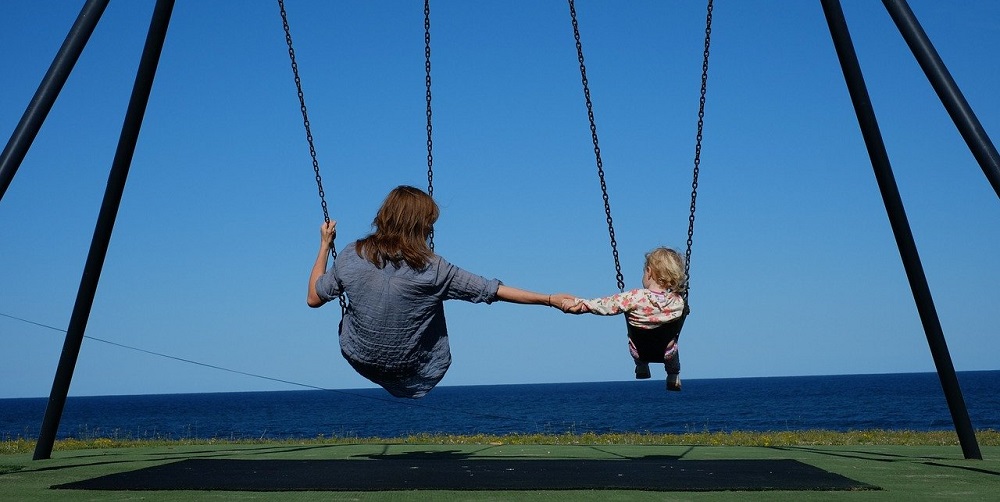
(795, 270)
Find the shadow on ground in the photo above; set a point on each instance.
(457, 470)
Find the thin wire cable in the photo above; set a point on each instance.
(269, 378)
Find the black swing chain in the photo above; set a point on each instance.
(427, 80)
(597, 148)
(309, 136)
(697, 154)
(697, 148)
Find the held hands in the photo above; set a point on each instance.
(568, 303)
(575, 306)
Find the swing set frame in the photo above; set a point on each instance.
(961, 113)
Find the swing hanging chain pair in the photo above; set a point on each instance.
(590, 116)
(427, 80)
(697, 151)
(597, 148)
(309, 136)
(697, 148)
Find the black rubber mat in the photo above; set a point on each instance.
(648, 473)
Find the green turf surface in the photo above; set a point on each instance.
(901, 472)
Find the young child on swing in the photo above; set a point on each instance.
(658, 302)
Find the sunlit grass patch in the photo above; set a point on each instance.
(737, 438)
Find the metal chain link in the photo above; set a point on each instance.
(309, 136)
(697, 148)
(597, 148)
(427, 80)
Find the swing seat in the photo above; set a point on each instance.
(651, 344)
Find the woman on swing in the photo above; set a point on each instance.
(393, 331)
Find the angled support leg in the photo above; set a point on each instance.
(900, 226)
(951, 96)
(105, 224)
(48, 90)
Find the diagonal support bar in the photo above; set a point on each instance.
(900, 226)
(105, 224)
(951, 96)
(48, 90)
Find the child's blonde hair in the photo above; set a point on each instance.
(666, 267)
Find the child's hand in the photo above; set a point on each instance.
(574, 306)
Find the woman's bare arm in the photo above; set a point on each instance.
(327, 232)
(515, 295)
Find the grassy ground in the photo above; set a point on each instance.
(873, 437)
(905, 465)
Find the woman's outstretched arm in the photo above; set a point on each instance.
(515, 295)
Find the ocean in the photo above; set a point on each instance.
(910, 401)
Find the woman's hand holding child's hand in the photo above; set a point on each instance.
(574, 306)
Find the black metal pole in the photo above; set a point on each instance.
(951, 96)
(105, 224)
(900, 226)
(33, 117)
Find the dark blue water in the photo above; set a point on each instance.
(911, 401)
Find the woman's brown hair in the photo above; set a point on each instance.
(402, 226)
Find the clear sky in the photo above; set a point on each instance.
(795, 269)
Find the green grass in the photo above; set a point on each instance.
(905, 465)
(785, 438)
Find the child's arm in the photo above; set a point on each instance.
(611, 305)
